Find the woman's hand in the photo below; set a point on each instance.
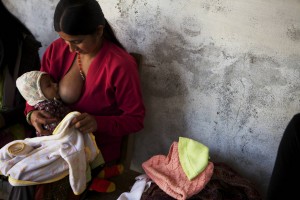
(39, 118)
(85, 123)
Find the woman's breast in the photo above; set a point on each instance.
(70, 86)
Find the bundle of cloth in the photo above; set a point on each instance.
(184, 172)
(46, 159)
(187, 173)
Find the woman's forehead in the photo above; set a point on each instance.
(70, 38)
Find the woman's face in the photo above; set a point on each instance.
(49, 87)
(84, 44)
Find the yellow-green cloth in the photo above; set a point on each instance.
(193, 156)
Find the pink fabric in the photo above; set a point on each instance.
(112, 92)
(168, 174)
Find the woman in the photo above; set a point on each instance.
(96, 76)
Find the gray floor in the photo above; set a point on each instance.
(5, 188)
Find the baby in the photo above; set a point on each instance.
(41, 91)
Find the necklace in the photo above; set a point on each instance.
(80, 66)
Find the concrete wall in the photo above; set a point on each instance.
(225, 73)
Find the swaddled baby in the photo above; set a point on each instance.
(41, 91)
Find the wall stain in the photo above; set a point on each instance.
(245, 88)
(164, 84)
(293, 82)
(190, 27)
(293, 33)
(215, 6)
(124, 7)
(198, 61)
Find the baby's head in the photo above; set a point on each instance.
(37, 86)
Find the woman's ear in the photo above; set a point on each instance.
(100, 30)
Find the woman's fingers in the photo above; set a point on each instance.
(39, 118)
(85, 123)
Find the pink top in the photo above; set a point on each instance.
(111, 93)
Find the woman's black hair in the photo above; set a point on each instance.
(82, 17)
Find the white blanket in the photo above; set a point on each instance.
(50, 158)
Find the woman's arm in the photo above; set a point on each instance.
(125, 80)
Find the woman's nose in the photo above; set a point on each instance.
(72, 47)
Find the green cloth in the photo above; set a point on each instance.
(193, 156)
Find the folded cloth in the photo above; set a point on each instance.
(168, 174)
(193, 156)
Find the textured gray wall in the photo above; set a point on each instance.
(225, 73)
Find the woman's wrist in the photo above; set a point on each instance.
(28, 117)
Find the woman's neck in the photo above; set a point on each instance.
(96, 50)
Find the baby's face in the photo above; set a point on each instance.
(49, 87)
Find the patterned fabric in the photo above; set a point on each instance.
(56, 108)
(168, 174)
(225, 184)
(29, 86)
(155, 193)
